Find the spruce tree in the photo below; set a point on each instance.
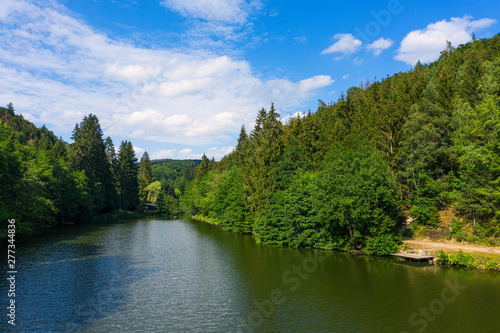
(240, 146)
(203, 168)
(145, 176)
(128, 184)
(88, 154)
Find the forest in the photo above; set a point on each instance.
(46, 182)
(390, 158)
(416, 153)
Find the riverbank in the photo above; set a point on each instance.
(484, 258)
(96, 219)
(205, 219)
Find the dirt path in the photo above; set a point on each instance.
(455, 246)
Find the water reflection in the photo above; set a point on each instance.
(187, 276)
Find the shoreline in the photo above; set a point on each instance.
(482, 255)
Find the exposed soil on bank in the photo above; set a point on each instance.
(456, 247)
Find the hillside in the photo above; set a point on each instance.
(351, 174)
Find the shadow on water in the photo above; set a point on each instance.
(187, 276)
(64, 282)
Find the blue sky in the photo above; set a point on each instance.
(179, 77)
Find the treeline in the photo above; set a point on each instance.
(348, 175)
(45, 181)
(163, 183)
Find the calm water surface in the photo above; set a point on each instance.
(188, 276)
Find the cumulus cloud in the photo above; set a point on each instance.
(188, 154)
(285, 120)
(229, 11)
(379, 45)
(57, 69)
(218, 153)
(315, 82)
(138, 152)
(164, 153)
(345, 44)
(426, 44)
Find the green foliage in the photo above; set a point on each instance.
(462, 259)
(264, 148)
(457, 230)
(88, 153)
(38, 189)
(358, 194)
(292, 216)
(28, 134)
(175, 173)
(128, 184)
(43, 184)
(145, 176)
(340, 177)
(492, 265)
(442, 257)
(382, 245)
(152, 193)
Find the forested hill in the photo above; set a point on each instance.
(408, 147)
(45, 181)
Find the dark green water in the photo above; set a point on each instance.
(187, 276)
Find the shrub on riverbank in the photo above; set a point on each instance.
(460, 258)
(382, 245)
(493, 265)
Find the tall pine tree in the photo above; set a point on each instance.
(145, 176)
(88, 154)
(128, 184)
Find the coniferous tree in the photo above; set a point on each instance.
(240, 146)
(266, 143)
(145, 176)
(128, 184)
(88, 154)
(110, 151)
(212, 164)
(203, 168)
(426, 153)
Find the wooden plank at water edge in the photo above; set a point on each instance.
(412, 256)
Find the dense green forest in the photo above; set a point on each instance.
(405, 148)
(45, 182)
(389, 157)
(168, 182)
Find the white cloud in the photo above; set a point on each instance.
(138, 152)
(283, 92)
(346, 44)
(301, 39)
(286, 119)
(57, 69)
(218, 153)
(315, 82)
(229, 11)
(187, 153)
(426, 44)
(345, 77)
(161, 154)
(132, 73)
(379, 45)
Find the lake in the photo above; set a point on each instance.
(153, 275)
